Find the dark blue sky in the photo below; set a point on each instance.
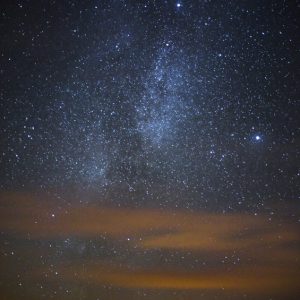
(166, 105)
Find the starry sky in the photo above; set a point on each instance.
(149, 150)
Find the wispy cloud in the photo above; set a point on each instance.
(266, 251)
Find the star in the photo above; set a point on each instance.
(257, 137)
(129, 146)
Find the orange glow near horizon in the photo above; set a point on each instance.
(252, 240)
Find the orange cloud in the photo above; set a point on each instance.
(242, 279)
(273, 245)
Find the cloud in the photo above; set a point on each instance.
(246, 280)
(244, 252)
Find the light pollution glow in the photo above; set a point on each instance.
(257, 240)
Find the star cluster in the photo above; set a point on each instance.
(139, 94)
(189, 105)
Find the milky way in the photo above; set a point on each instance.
(175, 107)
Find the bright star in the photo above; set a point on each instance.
(257, 138)
(178, 5)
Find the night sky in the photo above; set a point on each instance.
(149, 150)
